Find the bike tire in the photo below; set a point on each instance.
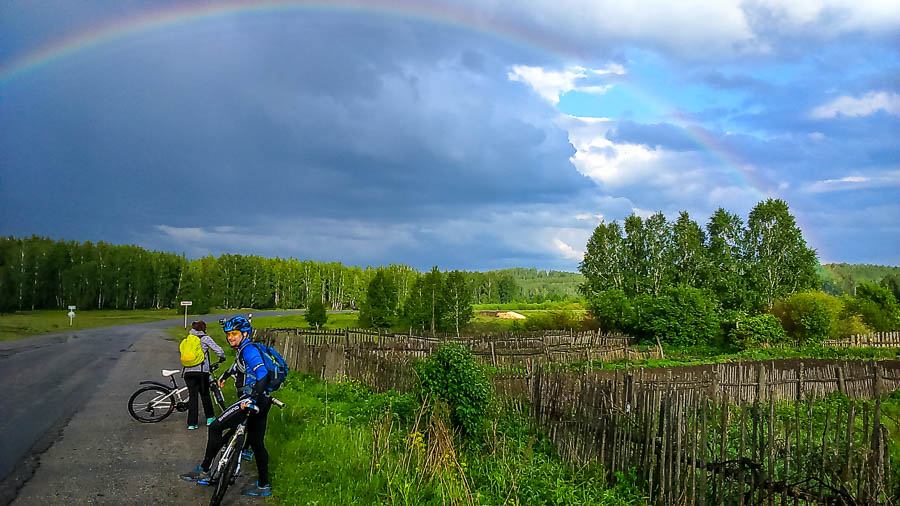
(139, 404)
(227, 474)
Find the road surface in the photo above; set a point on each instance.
(65, 432)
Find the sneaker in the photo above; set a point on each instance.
(247, 455)
(196, 475)
(209, 421)
(192, 427)
(256, 490)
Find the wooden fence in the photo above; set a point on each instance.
(689, 447)
(875, 339)
(303, 348)
(736, 433)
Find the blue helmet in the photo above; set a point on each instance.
(238, 323)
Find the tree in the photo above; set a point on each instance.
(380, 308)
(726, 266)
(603, 260)
(634, 266)
(877, 307)
(458, 301)
(780, 261)
(507, 289)
(316, 316)
(892, 283)
(688, 251)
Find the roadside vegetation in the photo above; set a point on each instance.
(341, 443)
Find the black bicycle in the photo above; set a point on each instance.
(228, 462)
(156, 401)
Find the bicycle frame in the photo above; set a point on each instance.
(178, 393)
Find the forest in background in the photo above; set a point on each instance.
(42, 273)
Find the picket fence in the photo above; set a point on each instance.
(734, 433)
(874, 339)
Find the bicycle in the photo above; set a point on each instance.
(228, 462)
(156, 401)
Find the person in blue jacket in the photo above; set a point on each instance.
(257, 377)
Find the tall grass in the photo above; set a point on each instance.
(339, 443)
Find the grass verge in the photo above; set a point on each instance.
(340, 443)
(29, 323)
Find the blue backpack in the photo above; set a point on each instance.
(275, 363)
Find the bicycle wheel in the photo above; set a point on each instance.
(227, 470)
(151, 404)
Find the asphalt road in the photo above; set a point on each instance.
(65, 432)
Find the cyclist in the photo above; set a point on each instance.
(237, 332)
(197, 377)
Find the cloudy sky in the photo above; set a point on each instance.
(471, 134)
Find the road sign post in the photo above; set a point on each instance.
(71, 314)
(186, 303)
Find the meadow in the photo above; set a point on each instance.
(29, 323)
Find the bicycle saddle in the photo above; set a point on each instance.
(169, 372)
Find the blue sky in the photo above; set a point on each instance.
(467, 134)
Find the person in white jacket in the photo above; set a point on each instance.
(197, 377)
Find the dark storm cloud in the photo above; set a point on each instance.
(248, 123)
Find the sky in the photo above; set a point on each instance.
(467, 134)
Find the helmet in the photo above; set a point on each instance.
(237, 323)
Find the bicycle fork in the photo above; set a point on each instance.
(229, 451)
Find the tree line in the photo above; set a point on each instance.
(41, 273)
(747, 283)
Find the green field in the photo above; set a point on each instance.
(29, 323)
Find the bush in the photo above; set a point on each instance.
(453, 376)
(681, 315)
(763, 329)
(553, 320)
(850, 325)
(809, 317)
(316, 316)
(877, 307)
(613, 310)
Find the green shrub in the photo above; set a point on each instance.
(850, 325)
(453, 376)
(681, 315)
(553, 320)
(316, 316)
(613, 310)
(876, 305)
(763, 329)
(809, 317)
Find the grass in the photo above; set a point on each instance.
(340, 443)
(516, 306)
(29, 323)
(707, 355)
(335, 321)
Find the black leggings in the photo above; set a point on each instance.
(198, 385)
(256, 434)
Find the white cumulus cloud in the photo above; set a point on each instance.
(550, 84)
(567, 251)
(862, 106)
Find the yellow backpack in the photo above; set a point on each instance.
(191, 351)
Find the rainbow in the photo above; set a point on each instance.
(445, 13)
(442, 13)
